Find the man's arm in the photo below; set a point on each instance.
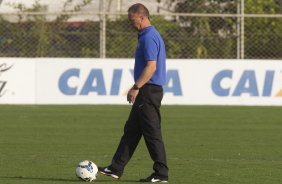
(147, 73)
(145, 76)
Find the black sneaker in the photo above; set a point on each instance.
(107, 171)
(154, 179)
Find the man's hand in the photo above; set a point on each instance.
(145, 76)
(131, 95)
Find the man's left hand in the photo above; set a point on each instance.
(131, 95)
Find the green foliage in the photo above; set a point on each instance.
(173, 39)
(260, 6)
(121, 39)
(36, 35)
(210, 37)
(215, 37)
(263, 35)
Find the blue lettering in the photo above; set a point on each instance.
(95, 82)
(173, 78)
(247, 84)
(132, 73)
(63, 81)
(116, 82)
(175, 88)
(216, 87)
(94, 75)
(268, 81)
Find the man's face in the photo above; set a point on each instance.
(135, 21)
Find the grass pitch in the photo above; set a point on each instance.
(205, 144)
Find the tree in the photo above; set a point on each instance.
(263, 35)
(211, 37)
(121, 39)
(36, 36)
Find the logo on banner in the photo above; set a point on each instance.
(224, 84)
(3, 83)
(95, 82)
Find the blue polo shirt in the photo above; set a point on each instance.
(150, 47)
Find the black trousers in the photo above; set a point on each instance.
(144, 120)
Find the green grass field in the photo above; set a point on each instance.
(205, 144)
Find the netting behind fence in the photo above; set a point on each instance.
(200, 29)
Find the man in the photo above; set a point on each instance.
(146, 96)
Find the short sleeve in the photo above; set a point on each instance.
(150, 49)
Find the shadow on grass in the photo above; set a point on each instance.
(62, 179)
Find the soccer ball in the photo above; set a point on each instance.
(86, 170)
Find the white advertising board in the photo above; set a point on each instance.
(83, 81)
(106, 81)
(17, 80)
(227, 82)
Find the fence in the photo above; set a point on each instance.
(202, 29)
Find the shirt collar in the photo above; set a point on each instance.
(145, 30)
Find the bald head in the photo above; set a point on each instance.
(139, 9)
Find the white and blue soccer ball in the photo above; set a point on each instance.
(86, 170)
